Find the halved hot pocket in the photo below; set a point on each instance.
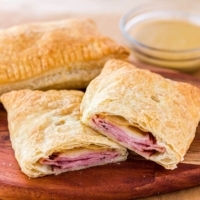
(48, 137)
(146, 113)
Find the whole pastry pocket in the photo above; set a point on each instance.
(64, 54)
(48, 137)
(150, 115)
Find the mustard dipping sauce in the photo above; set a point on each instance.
(168, 34)
(173, 36)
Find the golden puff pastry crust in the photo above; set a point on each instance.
(159, 115)
(45, 124)
(61, 54)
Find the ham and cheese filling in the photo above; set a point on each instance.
(143, 143)
(78, 159)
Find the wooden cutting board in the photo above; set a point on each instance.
(126, 180)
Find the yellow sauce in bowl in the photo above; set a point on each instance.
(168, 43)
(164, 34)
(172, 35)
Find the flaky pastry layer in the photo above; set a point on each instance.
(45, 125)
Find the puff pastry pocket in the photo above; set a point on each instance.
(53, 55)
(48, 137)
(150, 115)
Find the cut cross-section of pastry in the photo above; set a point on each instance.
(48, 137)
(132, 137)
(150, 115)
(54, 55)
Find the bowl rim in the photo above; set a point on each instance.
(164, 59)
(132, 41)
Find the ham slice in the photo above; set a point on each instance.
(78, 159)
(143, 143)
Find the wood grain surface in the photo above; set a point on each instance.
(131, 179)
